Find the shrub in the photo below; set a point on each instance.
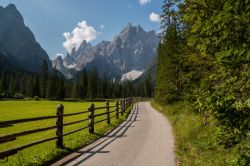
(4, 94)
(18, 96)
(36, 98)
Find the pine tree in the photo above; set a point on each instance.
(51, 87)
(83, 84)
(3, 81)
(12, 86)
(105, 91)
(60, 91)
(35, 90)
(23, 82)
(148, 88)
(76, 92)
(92, 84)
(43, 78)
(168, 84)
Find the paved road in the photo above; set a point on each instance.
(144, 139)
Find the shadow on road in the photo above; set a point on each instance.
(111, 137)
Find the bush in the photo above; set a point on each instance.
(4, 94)
(18, 96)
(36, 98)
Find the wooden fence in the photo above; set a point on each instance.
(120, 108)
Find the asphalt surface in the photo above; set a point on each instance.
(144, 139)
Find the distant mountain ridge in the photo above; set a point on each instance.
(18, 42)
(132, 50)
(127, 56)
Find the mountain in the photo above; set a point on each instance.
(126, 56)
(67, 71)
(18, 43)
(149, 72)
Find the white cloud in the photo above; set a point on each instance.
(155, 17)
(102, 26)
(144, 2)
(81, 32)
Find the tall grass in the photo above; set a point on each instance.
(195, 141)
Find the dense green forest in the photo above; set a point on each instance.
(203, 58)
(52, 85)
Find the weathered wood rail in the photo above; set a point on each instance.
(120, 106)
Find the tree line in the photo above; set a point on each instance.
(52, 85)
(204, 58)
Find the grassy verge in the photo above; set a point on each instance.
(46, 153)
(195, 142)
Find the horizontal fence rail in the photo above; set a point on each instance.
(119, 108)
(12, 122)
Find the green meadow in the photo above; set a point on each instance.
(46, 153)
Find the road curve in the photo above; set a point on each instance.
(144, 139)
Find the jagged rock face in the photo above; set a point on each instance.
(131, 49)
(68, 60)
(59, 65)
(94, 57)
(84, 47)
(18, 41)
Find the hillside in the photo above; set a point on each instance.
(18, 42)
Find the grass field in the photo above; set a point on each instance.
(44, 153)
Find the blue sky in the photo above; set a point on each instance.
(94, 20)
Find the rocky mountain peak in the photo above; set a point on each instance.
(139, 28)
(127, 29)
(59, 58)
(58, 62)
(131, 33)
(18, 41)
(11, 7)
(11, 13)
(76, 53)
(73, 51)
(129, 26)
(83, 46)
(131, 50)
(68, 60)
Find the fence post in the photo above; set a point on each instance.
(125, 104)
(91, 118)
(121, 107)
(107, 111)
(59, 126)
(117, 108)
(128, 102)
